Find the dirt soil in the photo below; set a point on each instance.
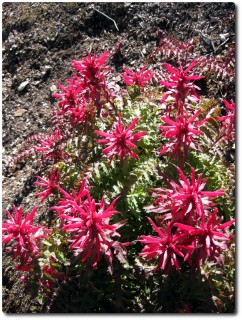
(40, 40)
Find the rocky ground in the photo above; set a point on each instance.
(40, 40)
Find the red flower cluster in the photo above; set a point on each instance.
(180, 83)
(121, 141)
(50, 147)
(74, 107)
(92, 76)
(92, 235)
(166, 247)
(92, 68)
(50, 277)
(186, 201)
(207, 236)
(70, 95)
(182, 130)
(139, 78)
(181, 133)
(228, 121)
(26, 237)
(87, 92)
(192, 227)
(50, 185)
(70, 203)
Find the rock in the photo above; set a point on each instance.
(53, 88)
(23, 85)
(223, 37)
(37, 76)
(19, 112)
(46, 70)
(36, 82)
(214, 19)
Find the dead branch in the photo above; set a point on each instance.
(107, 17)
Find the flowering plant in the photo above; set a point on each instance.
(139, 78)
(180, 84)
(181, 134)
(153, 159)
(26, 237)
(228, 121)
(92, 233)
(121, 141)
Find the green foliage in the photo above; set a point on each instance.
(222, 281)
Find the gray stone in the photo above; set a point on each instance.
(19, 112)
(23, 85)
(53, 88)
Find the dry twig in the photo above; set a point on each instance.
(107, 17)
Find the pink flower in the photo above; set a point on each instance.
(51, 276)
(185, 200)
(50, 147)
(228, 121)
(93, 74)
(182, 134)
(48, 142)
(70, 95)
(121, 141)
(167, 246)
(92, 67)
(210, 239)
(92, 234)
(180, 84)
(163, 204)
(74, 106)
(50, 185)
(69, 205)
(81, 113)
(139, 78)
(26, 238)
